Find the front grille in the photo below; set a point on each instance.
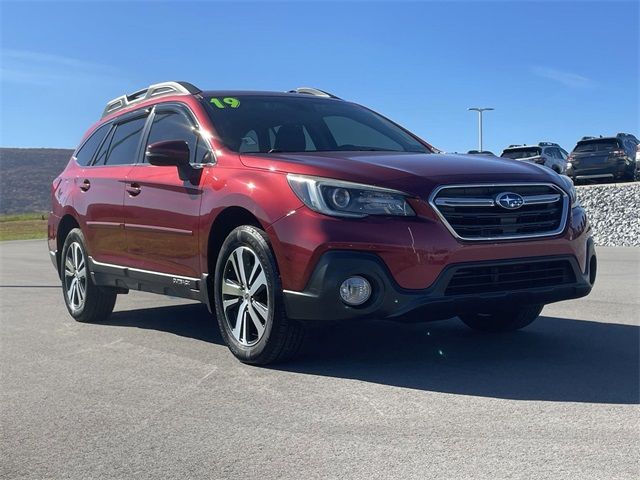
(472, 212)
(509, 277)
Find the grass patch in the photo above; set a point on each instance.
(23, 226)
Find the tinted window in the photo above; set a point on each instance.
(350, 133)
(124, 142)
(85, 154)
(553, 152)
(298, 123)
(104, 149)
(526, 152)
(203, 154)
(629, 145)
(278, 134)
(174, 125)
(249, 142)
(599, 145)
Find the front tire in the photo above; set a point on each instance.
(85, 301)
(249, 303)
(505, 320)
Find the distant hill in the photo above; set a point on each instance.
(26, 175)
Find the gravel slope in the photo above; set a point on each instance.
(613, 212)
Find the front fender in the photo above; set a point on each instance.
(264, 194)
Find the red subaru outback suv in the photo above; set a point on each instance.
(277, 209)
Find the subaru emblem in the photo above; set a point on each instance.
(510, 200)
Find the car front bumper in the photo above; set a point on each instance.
(320, 300)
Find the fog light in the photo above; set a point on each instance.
(355, 291)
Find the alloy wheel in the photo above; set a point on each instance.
(245, 296)
(75, 276)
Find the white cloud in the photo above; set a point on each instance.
(568, 79)
(37, 68)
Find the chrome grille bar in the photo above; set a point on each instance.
(490, 202)
(465, 202)
(471, 213)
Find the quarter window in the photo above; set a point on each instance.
(88, 149)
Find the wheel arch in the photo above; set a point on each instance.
(67, 223)
(224, 223)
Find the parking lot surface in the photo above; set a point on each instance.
(153, 393)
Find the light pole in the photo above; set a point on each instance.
(480, 110)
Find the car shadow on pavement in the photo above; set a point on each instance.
(554, 359)
(190, 320)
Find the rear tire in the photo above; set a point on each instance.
(249, 303)
(85, 301)
(506, 320)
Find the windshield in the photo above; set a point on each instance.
(597, 146)
(271, 124)
(516, 153)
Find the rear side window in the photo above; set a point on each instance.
(86, 152)
(104, 149)
(124, 143)
(553, 152)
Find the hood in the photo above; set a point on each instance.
(412, 173)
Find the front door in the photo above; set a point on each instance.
(162, 203)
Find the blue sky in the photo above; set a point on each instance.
(552, 70)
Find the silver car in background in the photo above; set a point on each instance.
(548, 154)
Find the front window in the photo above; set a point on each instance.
(172, 124)
(273, 124)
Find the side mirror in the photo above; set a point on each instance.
(172, 152)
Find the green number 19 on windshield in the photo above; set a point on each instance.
(225, 102)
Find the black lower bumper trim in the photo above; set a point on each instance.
(320, 301)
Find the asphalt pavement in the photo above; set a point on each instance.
(153, 393)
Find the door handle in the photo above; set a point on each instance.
(85, 185)
(133, 189)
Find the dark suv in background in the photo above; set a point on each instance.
(281, 208)
(604, 158)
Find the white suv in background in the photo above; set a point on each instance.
(548, 154)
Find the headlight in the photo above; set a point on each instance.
(346, 199)
(571, 190)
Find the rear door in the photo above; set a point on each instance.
(100, 201)
(162, 203)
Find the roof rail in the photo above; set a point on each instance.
(314, 91)
(515, 145)
(548, 144)
(587, 138)
(155, 90)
